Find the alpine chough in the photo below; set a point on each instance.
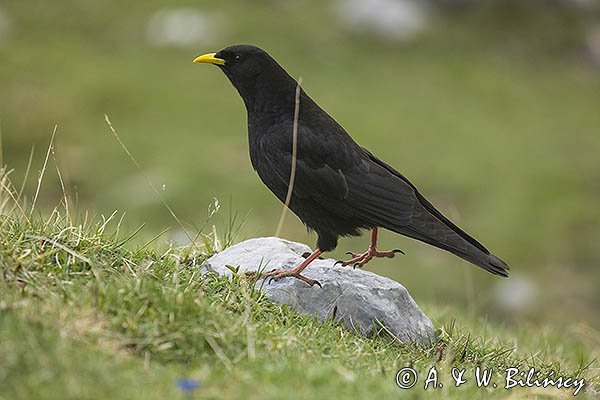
(340, 187)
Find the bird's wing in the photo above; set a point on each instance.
(378, 196)
(340, 176)
(429, 225)
(315, 177)
(425, 207)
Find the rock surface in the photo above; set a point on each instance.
(390, 19)
(364, 301)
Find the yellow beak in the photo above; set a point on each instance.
(209, 59)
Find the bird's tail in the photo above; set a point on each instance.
(430, 226)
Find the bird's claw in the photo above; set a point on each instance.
(360, 259)
(278, 273)
(269, 275)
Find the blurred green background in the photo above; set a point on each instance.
(492, 109)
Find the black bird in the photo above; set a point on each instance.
(340, 187)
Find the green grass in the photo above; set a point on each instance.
(84, 315)
(39, 361)
(492, 113)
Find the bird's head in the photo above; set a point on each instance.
(253, 72)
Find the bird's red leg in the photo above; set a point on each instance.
(360, 259)
(282, 273)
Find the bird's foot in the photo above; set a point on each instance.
(279, 273)
(360, 259)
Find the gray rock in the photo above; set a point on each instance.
(364, 301)
(185, 27)
(592, 45)
(5, 26)
(391, 19)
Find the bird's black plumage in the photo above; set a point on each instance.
(340, 187)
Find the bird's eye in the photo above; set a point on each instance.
(237, 57)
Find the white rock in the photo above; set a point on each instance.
(392, 19)
(364, 301)
(5, 26)
(184, 27)
(515, 294)
(592, 45)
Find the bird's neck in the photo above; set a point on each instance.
(269, 93)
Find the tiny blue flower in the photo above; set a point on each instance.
(188, 385)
